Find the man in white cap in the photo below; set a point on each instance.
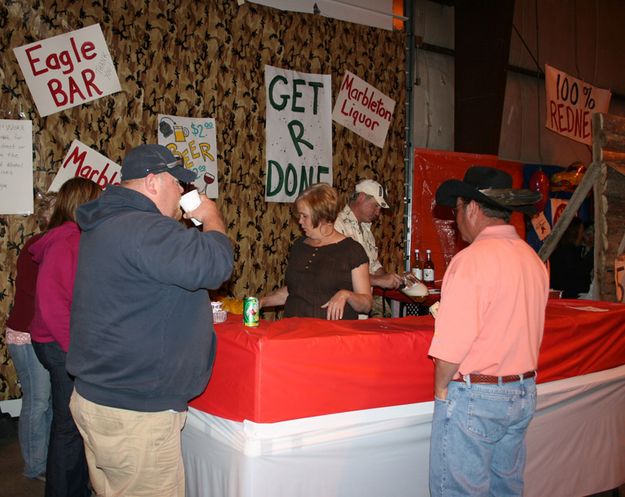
(355, 220)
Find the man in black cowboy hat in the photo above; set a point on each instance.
(487, 335)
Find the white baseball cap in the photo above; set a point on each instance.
(374, 189)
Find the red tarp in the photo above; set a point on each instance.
(433, 227)
(296, 368)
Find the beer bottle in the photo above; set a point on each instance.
(417, 269)
(428, 269)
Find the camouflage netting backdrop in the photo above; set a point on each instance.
(205, 59)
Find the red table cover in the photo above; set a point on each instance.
(296, 368)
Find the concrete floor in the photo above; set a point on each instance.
(12, 482)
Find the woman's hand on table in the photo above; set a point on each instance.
(336, 305)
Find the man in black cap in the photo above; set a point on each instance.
(142, 339)
(487, 335)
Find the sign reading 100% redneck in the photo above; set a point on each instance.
(571, 103)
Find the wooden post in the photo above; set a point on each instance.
(601, 236)
(608, 149)
(570, 210)
(621, 250)
(592, 173)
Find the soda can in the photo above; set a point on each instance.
(251, 311)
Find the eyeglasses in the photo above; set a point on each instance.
(459, 205)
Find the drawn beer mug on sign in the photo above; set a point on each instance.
(180, 133)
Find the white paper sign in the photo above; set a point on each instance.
(571, 103)
(557, 208)
(68, 70)
(363, 109)
(195, 140)
(541, 226)
(298, 132)
(87, 163)
(16, 166)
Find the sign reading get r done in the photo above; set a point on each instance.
(298, 132)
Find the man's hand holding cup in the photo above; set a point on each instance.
(202, 211)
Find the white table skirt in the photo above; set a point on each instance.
(576, 447)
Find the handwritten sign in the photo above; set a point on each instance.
(195, 141)
(16, 167)
(571, 103)
(363, 109)
(87, 163)
(298, 132)
(68, 70)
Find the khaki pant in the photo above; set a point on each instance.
(129, 453)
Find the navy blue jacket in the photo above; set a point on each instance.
(141, 332)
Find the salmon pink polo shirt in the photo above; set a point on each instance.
(492, 310)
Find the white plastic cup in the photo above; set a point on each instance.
(191, 201)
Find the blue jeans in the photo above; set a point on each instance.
(477, 446)
(36, 412)
(66, 471)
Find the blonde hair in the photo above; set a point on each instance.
(323, 201)
(72, 194)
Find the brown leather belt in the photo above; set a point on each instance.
(484, 378)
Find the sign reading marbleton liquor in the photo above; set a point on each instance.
(363, 109)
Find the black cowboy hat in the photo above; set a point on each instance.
(488, 185)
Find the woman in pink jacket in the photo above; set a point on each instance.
(57, 255)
